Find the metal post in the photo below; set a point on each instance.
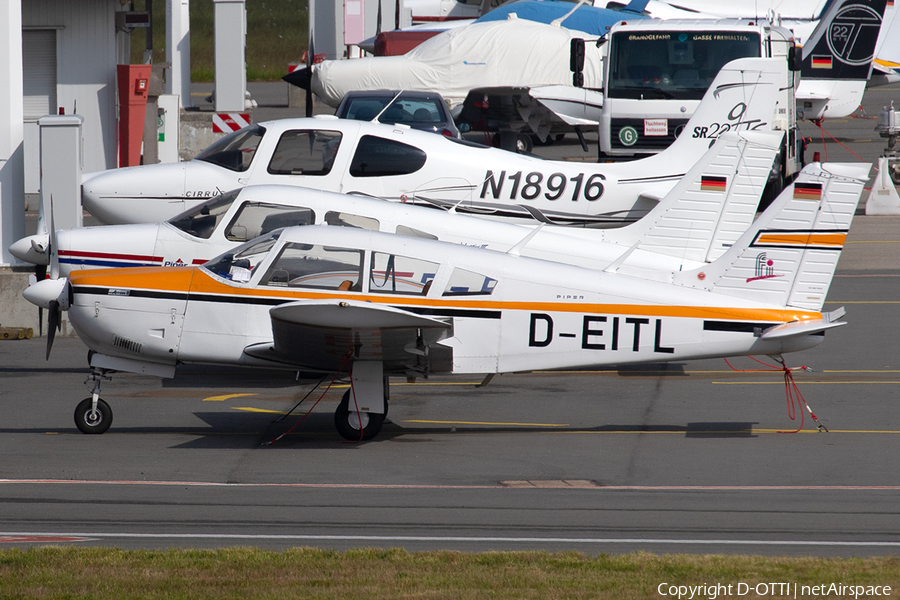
(12, 130)
(231, 67)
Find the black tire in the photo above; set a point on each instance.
(93, 423)
(345, 421)
(523, 143)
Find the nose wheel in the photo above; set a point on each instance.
(91, 417)
(93, 414)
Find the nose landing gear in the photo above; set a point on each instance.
(93, 415)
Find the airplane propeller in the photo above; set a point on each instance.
(54, 320)
(302, 77)
(52, 293)
(310, 57)
(54, 315)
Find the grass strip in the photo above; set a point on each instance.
(276, 36)
(71, 572)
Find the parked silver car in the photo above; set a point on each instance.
(425, 111)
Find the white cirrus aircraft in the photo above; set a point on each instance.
(375, 305)
(695, 222)
(401, 164)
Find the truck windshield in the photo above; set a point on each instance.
(673, 64)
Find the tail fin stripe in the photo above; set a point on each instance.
(819, 240)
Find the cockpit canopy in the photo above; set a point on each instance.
(315, 266)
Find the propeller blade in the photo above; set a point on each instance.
(310, 58)
(54, 255)
(378, 19)
(54, 319)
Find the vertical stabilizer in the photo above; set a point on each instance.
(743, 97)
(788, 256)
(842, 45)
(837, 59)
(708, 210)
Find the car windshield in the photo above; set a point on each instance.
(412, 111)
(201, 220)
(236, 150)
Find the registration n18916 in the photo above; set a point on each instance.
(534, 186)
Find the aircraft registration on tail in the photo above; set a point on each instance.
(377, 305)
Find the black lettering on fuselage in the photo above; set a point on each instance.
(595, 336)
(532, 333)
(656, 343)
(637, 330)
(496, 186)
(587, 333)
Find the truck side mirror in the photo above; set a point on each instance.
(795, 58)
(576, 61)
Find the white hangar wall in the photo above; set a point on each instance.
(69, 56)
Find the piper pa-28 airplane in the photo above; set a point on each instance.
(400, 164)
(695, 222)
(373, 305)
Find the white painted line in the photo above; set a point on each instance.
(445, 539)
(498, 486)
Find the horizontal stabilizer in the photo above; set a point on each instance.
(803, 328)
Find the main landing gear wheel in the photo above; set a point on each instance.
(89, 420)
(349, 422)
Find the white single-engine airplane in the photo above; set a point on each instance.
(401, 164)
(371, 304)
(695, 222)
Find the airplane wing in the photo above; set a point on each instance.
(543, 110)
(325, 334)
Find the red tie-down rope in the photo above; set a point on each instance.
(344, 363)
(825, 148)
(792, 392)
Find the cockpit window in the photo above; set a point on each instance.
(236, 150)
(201, 220)
(238, 264)
(343, 219)
(379, 157)
(254, 219)
(305, 152)
(467, 283)
(318, 267)
(413, 232)
(392, 274)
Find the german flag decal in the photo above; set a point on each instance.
(821, 62)
(808, 191)
(713, 183)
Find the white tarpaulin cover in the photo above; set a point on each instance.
(505, 53)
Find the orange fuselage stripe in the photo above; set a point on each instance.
(197, 281)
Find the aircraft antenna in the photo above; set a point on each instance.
(388, 105)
